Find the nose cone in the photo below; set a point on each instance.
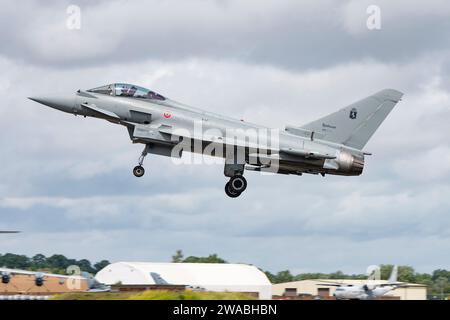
(63, 103)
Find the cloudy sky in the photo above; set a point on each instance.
(66, 182)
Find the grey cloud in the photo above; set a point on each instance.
(355, 210)
(292, 34)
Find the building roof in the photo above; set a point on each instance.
(190, 274)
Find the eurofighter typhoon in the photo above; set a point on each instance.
(330, 145)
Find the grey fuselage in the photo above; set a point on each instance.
(161, 124)
(360, 292)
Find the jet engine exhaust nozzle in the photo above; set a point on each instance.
(350, 163)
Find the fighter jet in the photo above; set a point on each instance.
(368, 291)
(330, 145)
(5, 232)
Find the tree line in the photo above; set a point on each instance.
(56, 263)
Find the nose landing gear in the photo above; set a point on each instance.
(139, 170)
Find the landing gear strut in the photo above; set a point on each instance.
(139, 170)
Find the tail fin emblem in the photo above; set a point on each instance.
(353, 113)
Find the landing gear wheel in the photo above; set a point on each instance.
(238, 183)
(138, 171)
(230, 192)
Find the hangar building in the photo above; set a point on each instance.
(316, 288)
(216, 277)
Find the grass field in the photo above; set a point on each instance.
(155, 295)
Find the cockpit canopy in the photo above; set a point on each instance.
(127, 90)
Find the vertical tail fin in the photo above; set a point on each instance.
(393, 277)
(355, 124)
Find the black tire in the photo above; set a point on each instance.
(238, 183)
(230, 192)
(138, 171)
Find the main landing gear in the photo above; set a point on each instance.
(139, 170)
(237, 183)
(236, 186)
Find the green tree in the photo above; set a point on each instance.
(178, 256)
(406, 274)
(212, 258)
(283, 276)
(85, 265)
(14, 261)
(100, 265)
(38, 261)
(423, 278)
(58, 261)
(270, 276)
(440, 273)
(338, 275)
(441, 286)
(310, 275)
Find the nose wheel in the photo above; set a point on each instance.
(236, 186)
(139, 170)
